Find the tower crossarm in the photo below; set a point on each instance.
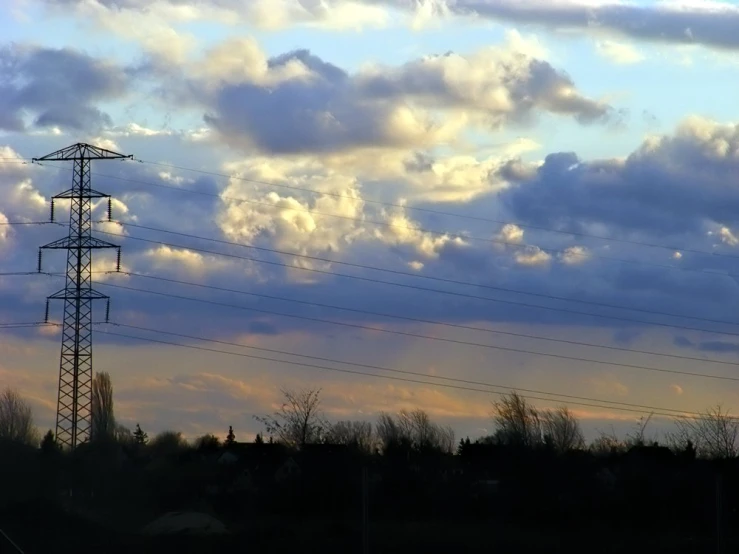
(82, 151)
(72, 193)
(71, 294)
(79, 242)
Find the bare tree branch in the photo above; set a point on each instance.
(413, 430)
(299, 421)
(714, 435)
(562, 429)
(16, 418)
(357, 434)
(517, 422)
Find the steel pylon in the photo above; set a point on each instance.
(74, 401)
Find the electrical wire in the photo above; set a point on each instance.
(419, 320)
(392, 370)
(24, 325)
(418, 335)
(417, 287)
(405, 318)
(4, 223)
(521, 292)
(422, 276)
(650, 410)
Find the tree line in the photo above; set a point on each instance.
(301, 421)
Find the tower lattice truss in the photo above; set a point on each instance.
(74, 402)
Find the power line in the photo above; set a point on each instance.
(418, 335)
(425, 289)
(408, 318)
(408, 380)
(428, 277)
(393, 370)
(447, 233)
(29, 324)
(7, 538)
(3, 223)
(415, 320)
(426, 321)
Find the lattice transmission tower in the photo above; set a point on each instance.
(74, 402)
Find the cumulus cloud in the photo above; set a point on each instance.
(532, 256)
(403, 231)
(179, 259)
(256, 214)
(55, 88)
(677, 389)
(693, 168)
(511, 233)
(574, 255)
(425, 176)
(329, 221)
(299, 103)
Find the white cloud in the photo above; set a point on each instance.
(404, 231)
(4, 229)
(727, 237)
(574, 255)
(165, 257)
(429, 13)
(510, 233)
(288, 222)
(327, 14)
(618, 52)
(298, 103)
(532, 256)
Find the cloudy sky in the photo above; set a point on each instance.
(483, 194)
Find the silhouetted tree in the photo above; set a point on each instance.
(638, 437)
(715, 434)
(123, 435)
(139, 437)
(207, 442)
(299, 421)
(231, 437)
(357, 434)
(103, 416)
(517, 422)
(48, 444)
(562, 430)
(259, 439)
(689, 451)
(16, 418)
(463, 446)
(413, 430)
(168, 443)
(607, 443)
